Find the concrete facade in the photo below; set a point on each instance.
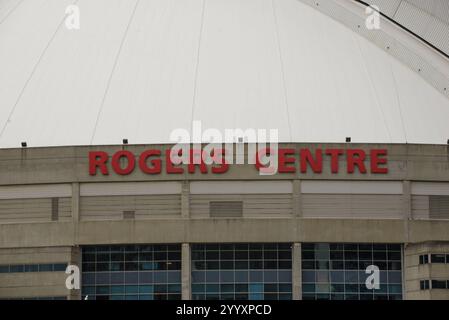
(283, 208)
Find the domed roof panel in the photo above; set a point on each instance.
(140, 69)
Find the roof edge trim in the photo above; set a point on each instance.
(392, 38)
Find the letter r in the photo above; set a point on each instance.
(98, 159)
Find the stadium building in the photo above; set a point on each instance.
(361, 102)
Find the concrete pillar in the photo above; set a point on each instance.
(186, 271)
(407, 207)
(185, 199)
(407, 199)
(297, 198)
(296, 272)
(75, 259)
(75, 209)
(76, 251)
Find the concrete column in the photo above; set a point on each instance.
(297, 198)
(76, 251)
(185, 199)
(75, 259)
(407, 199)
(186, 271)
(75, 209)
(407, 207)
(296, 272)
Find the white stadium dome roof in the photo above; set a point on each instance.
(139, 69)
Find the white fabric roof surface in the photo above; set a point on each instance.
(139, 69)
(427, 18)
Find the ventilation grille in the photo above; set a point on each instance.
(55, 209)
(439, 207)
(129, 214)
(226, 208)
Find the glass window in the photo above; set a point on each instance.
(256, 296)
(424, 259)
(227, 265)
(335, 255)
(437, 258)
(337, 276)
(424, 285)
(160, 277)
(255, 276)
(59, 267)
(145, 289)
(439, 284)
(117, 289)
(241, 276)
(88, 290)
(309, 255)
(308, 265)
(212, 288)
(18, 268)
(306, 288)
(394, 265)
(116, 277)
(243, 271)
(395, 277)
(132, 272)
(347, 264)
(308, 276)
(227, 276)
(102, 289)
(322, 265)
(4, 269)
(285, 276)
(103, 257)
(116, 256)
(32, 268)
(103, 278)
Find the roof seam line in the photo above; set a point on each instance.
(281, 61)
(399, 102)
(33, 71)
(195, 81)
(397, 9)
(11, 11)
(371, 81)
(108, 85)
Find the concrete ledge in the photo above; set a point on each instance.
(221, 230)
(51, 234)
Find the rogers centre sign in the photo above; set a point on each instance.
(304, 160)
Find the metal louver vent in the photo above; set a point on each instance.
(54, 209)
(226, 209)
(439, 207)
(129, 214)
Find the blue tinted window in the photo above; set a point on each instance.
(17, 268)
(132, 272)
(31, 268)
(345, 278)
(241, 271)
(45, 267)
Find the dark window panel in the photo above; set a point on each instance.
(45, 267)
(439, 284)
(19, 268)
(437, 258)
(226, 255)
(32, 268)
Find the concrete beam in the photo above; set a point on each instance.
(296, 272)
(186, 271)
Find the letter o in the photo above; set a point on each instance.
(116, 162)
